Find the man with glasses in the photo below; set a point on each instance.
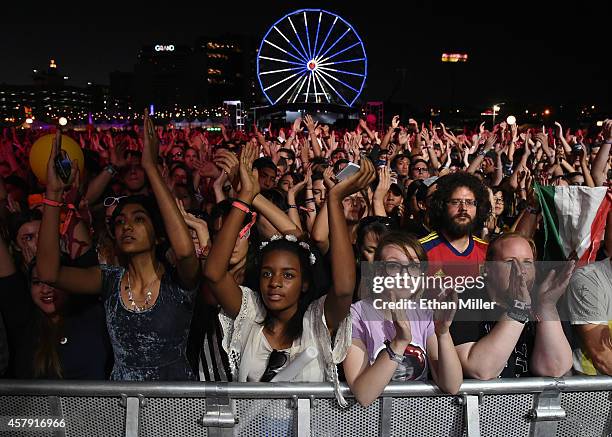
(419, 169)
(457, 209)
(177, 154)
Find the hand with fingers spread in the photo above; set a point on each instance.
(328, 177)
(311, 125)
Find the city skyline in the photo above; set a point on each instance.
(539, 54)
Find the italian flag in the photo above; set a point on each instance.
(574, 221)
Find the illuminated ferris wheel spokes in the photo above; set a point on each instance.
(295, 65)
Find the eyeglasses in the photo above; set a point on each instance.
(499, 201)
(421, 169)
(110, 201)
(178, 155)
(393, 268)
(468, 203)
(276, 361)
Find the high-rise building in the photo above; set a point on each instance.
(168, 75)
(230, 68)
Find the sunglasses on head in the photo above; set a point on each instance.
(111, 200)
(276, 361)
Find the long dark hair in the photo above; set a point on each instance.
(312, 274)
(47, 363)
(152, 209)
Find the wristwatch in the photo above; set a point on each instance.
(519, 311)
(392, 355)
(111, 169)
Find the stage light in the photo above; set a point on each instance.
(29, 120)
(63, 121)
(496, 108)
(546, 111)
(511, 119)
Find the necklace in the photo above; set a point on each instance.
(134, 307)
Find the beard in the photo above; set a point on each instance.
(457, 229)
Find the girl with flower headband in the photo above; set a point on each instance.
(265, 330)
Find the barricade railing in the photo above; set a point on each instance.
(573, 406)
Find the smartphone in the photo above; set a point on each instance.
(347, 171)
(577, 147)
(63, 166)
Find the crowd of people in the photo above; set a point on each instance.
(180, 254)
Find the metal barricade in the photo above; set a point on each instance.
(574, 406)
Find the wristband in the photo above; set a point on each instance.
(244, 207)
(309, 200)
(292, 206)
(392, 355)
(53, 203)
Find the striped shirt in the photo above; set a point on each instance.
(205, 351)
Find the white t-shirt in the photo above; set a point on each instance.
(589, 298)
(249, 351)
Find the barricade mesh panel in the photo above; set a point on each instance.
(505, 415)
(171, 417)
(589, 414)
(25, 407)
(264, 417)
(426, 416)
(93, 417)
(327, 419)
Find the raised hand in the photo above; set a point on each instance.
(554, 285)
(518, 289)
(249, 178)
(150, 150)
(297, 125)
(363, 124)
(490, 142)
(206, 169)
(55, 185)
(384, 182)
(607, 130)
(311, 125)
(395, 122)
(228, 163)
(328, 175)
(443, 318)
(356, 182)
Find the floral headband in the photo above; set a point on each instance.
(311, 257)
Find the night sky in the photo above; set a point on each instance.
(519, 52)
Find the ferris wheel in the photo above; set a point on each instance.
(312, 56)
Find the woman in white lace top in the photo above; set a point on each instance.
(266, 329)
